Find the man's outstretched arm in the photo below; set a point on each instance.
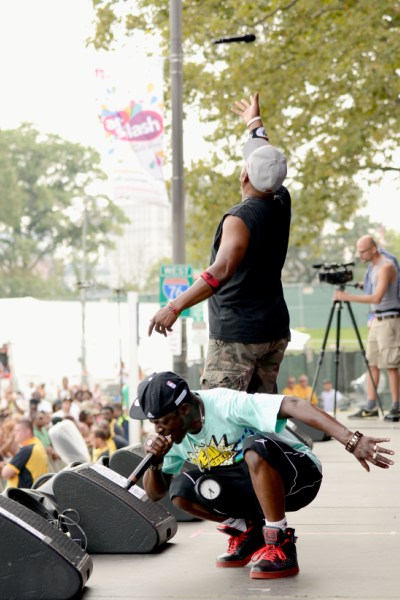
(366, 449)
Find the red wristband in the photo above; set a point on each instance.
(173, 309)
(210, 279)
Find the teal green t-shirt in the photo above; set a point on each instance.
(231, 417)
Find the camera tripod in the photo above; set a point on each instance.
(337, 306)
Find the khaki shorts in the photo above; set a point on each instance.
(246, 367)
(383, 344)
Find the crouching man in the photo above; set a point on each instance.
(248, 469)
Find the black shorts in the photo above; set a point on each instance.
(300, 475)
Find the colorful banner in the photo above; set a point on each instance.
(131, 114)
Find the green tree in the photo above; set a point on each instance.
(328, 76)
(392, 242)
(45, 183)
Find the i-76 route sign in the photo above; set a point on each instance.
(174, 279)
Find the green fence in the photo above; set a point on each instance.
(310, 306)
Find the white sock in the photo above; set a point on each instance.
(239, 524)
(281, 524)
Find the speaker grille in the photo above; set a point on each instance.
(125, 460)
(113, 519)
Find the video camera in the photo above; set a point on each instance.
(335, 274)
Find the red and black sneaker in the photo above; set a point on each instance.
(241, 546)
(278, 557)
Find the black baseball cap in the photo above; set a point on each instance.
(158, 395)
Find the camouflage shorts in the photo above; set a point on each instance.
(247, 367)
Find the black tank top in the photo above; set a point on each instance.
(251, 308)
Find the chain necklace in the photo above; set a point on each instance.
(197, 454)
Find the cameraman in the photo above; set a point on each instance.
(383, 343)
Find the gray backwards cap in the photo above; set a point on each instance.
(158, 395)
(265, 165)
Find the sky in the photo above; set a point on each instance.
(47, 78)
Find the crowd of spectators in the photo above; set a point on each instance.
(26, 449)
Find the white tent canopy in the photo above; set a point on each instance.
(45, 338)
(299, 340)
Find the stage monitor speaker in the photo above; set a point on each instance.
(306, 430)
(125, 461)
(115, 520)
(37, 561)
(302, 436)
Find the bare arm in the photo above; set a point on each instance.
(367, 449)
(385, 276)
(9, 446)
(8, 472)
(233, 246)
(156, 484)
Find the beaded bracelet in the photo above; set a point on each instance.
(173, 309)
(353, 441)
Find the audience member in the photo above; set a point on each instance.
(29, 462)
(65, 391)
(87, 417)
(327, 397)
(8, 445)
(97, 395)
(303, 390)
(41, 423)
(114, 442)
(85, 432)
(44, 403)
(107, 413)
(290, 387)
(100, 444)
(68, 409)
(121, 419)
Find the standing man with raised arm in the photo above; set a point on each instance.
(248, 316)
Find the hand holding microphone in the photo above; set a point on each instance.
(156, 446)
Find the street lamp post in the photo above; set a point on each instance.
(178, 197)
(118, 292)
(83, 284)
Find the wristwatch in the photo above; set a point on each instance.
(259, 132)
(207, 488)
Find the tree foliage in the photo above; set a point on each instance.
(328, 76)
(44, 185)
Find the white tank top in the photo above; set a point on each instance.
(390, 301)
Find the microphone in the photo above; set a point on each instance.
(140, 470)
(241, 38)
(142, 467)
